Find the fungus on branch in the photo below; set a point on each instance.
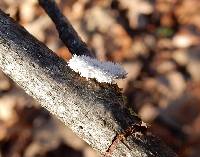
(92, 68)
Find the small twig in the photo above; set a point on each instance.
(66, 31)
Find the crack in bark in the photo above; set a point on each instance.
(134, 129)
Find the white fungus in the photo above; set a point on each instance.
(92, 68)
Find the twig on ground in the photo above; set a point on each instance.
(66, 31)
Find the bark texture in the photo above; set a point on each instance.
(94, 111)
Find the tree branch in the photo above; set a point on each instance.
(66, 31)
(95, 112)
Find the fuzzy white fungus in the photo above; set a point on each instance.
(92, 68)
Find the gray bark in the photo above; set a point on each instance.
(94, 111)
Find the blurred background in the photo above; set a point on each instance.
(156, 41)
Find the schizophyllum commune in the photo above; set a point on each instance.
(92, 68)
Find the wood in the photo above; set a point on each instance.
(94, 111)
(65, 30)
